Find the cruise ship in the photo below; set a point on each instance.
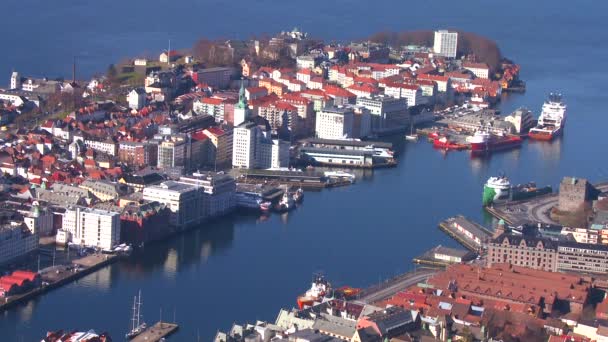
(551, 120)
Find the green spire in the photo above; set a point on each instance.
(242, 99)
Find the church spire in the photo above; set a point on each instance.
(242, 99)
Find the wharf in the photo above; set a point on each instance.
(60, 275)
(535, 209)
(441, 257)
(468, 233)
(392, 286)
(156, 332)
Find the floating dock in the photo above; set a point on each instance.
(469, 234)
(156, 332)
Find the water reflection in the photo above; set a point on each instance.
(183, 250)
(548, 151)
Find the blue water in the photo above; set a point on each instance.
(244, 269)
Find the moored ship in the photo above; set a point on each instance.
(484, 142)
(445, 143)
(551, 120)
(499, 189)
(319, 288)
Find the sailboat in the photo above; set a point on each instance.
(137, 324)
(411, 136)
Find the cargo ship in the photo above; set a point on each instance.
(319, 289)
(485, 142)
(499, 189)
(445, 143)
(551, 120)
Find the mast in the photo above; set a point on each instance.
(138, 308)
(133, 319)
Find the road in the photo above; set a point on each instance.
(392, 286)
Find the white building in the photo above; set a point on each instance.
(445, 43)
(241, 109)
(305, 62)
(108, 147)
(15, 81)
(92, 227)
(253, 149)
(39, 220)
(182, 199)
(480, 70)
(412, 93)
(335, 123)
(137, 98)
(16, 241)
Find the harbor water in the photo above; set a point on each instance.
(243, 268)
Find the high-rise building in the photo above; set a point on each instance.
(386, 111)
(216, 191)
(91, 227)
(253, 147)
(335, 123)
(446, 43)
(182, 200)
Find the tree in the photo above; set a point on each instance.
(112, 75)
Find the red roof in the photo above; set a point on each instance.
(282, 105)
(402, 86)
(212, 101)
(253, 90)
(215, 131)
(24, 275)
(475, 65)
(364, 88)
(200, 136)
(338, 92)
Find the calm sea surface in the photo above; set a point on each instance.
(242, 269)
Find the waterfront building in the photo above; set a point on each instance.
(16, 241)
(91, 227)
(142, 222)
(254, 149)
(39, 220)
(386, 111)
(480, 70)
(335, 123)
(137, 98)
(216, 191)
(182, 199)
(138, 154)
(446, 43)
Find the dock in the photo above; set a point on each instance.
(57, 276)
(391, 286)
(469, 234)
(156, 332)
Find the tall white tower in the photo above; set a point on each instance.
(241, 110)
(445, 43)
(15, 80)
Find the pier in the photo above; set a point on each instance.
(156, 332)
(57, 276)
(468, 233)
(391, 286)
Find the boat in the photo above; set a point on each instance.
(286, 203)
(445, 143)
(496, 189)
(248, 200)
(298, 195)
(551, 120)
(265, 206)
(340, 175)
(499, 189)
(411, 136)
(137, 324)
(484, 142)
(319, 288)
(526, 191)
